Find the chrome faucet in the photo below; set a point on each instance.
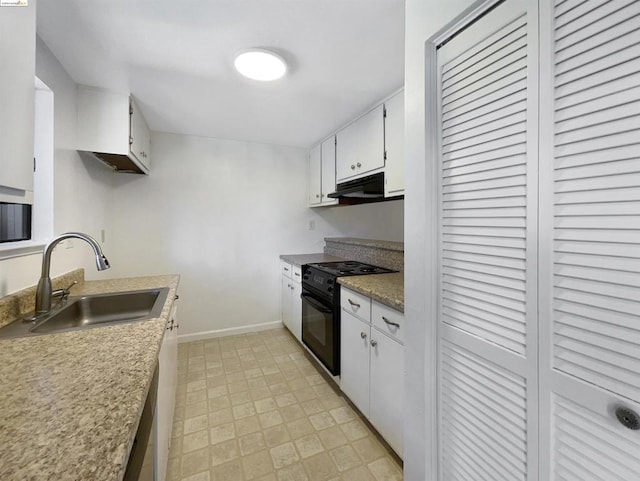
(43, 291)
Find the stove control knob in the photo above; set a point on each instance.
(329, 289)
(329, 281)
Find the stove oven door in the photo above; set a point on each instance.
(321, 330)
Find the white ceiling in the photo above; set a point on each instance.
(176, 58)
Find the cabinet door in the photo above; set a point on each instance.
(296, 310)
(371, 141)
(387, 388)
(286, 302)
(360, 146)
(347, 151)
(315, 176)
(354, 360)
(487, 250)
(590, 241)
(394, 145)
(17, 90)
(328, 171)
(167, 377)
(140, 139)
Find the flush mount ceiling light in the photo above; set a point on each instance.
(260, 64)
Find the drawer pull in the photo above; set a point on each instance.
(286, 269)
(354, 304)
(388, 322)
(363, 335)
(374, 343)
(297, 274)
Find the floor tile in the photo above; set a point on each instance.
(385, 470)
(252, 443)
(222, 452)
(309, 445)
(284, 455)
(257, 464)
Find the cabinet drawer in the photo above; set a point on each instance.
(297, 273)
(388, 320)
(357, 304)
(286, 268)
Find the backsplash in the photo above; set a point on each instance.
(381, 253)
(22, 302)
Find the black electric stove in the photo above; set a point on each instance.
(321, 307)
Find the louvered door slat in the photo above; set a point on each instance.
(476, 53)
(619, 332)
(591, 446)
(575, 28)
(573, 94)
(612, 101)
(463, 281)
(624, 34)
(615, 291)
(484, 416)
(598, 55)
(565, 6)
(502, 106)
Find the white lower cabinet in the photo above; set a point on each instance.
(354, 360)
(386, 400)
(167, 380)
(372, 365)
(291, 303)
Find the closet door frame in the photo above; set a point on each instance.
(432, 243)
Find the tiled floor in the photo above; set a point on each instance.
(252, 407)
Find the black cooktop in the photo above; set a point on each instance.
(349, 268)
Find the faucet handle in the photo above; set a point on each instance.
(64, 292)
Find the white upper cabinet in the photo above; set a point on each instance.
(394, 145)
(140, 138)
(315, 175)
(322, 173)
(360, 146)
(18, 59)
(110, 126)
(328, 170)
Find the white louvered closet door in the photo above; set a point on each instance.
(487, 77)
(590, 239)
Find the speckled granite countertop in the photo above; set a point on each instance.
(301, 259)
(70, 402)
(385, 288)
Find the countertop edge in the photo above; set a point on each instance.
(388, 289)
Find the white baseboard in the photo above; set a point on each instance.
(230, 331)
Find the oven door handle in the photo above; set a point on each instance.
(315, 304)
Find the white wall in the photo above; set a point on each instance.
(219, 213)
(82, 188)
(424, 18)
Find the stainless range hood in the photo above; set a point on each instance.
(369, 187)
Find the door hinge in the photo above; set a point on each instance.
(130, 109)
(34, 164)
(384, 112)
(385, 155)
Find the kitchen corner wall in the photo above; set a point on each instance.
(219, 213)
(82, 188)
